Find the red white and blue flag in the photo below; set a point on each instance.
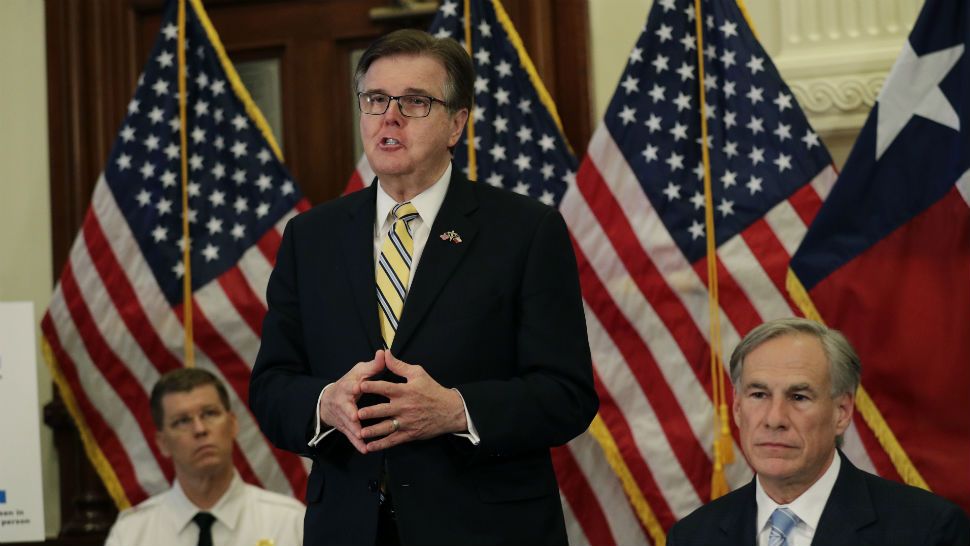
(637, 215)
(887, 260)
(115, 319)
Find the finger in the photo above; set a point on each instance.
(375, 412)
(399, 367)
(384, 428)
(358, 443)
(388, 441)
(383, 388)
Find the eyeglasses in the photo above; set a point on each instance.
(411, 106)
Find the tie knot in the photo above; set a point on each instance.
(405, 211)
(783, 519)
(204, 520)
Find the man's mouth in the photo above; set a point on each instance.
(388, 141)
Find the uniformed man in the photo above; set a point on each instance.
(208, 504)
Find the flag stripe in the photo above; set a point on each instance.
(625, 527)
(112, 369)
(636, 423)
(648, 376)
(637, 458)
(599, 212)
(245, 302)
(766, 247)
(107, 413)
(581, 499)
(103, 434)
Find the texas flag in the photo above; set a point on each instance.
(887, 259)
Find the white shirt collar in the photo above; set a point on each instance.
(427, 203)
(227, 510)
(808, 506)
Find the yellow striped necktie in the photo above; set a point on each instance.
(394, 270)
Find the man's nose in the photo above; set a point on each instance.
(777, 413)
(393, 114)
(199, 426)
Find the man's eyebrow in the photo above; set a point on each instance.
(800, 387)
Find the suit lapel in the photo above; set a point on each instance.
(440, 256)
(357, 239)
(739, 526)
(848, 509)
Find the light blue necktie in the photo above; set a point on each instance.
(782, 521)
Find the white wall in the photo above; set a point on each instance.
(25, 239)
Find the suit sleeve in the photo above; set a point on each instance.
(282, 391)
(551, 399)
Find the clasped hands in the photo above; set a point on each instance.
(418, 409)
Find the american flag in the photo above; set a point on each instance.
(636, 214)
(114, 324)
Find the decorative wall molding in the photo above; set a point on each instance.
(838, 102)
(836, 54)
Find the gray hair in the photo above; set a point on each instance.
(460, 80)
(845, 369)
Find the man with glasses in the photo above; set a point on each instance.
(208, 504)
(425, 342)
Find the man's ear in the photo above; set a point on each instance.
(736, 408)
(162, 442)
(235, 425)
(458, 120)
(844, 408)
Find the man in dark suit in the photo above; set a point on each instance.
(425, 342)
(795, 382)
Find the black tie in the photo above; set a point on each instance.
(204, 521)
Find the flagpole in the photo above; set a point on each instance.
(186, 250)
(723, 452)
(472, 164)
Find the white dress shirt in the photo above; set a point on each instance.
(245, 515)
(427, 203)
(808, 507)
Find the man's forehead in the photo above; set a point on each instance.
(201, 395)
(416, 71)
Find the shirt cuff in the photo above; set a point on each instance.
(319, 435)
(472, 433)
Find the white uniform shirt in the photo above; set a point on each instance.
(245, 515)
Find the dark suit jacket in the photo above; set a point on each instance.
(497, 316)
(863, 510)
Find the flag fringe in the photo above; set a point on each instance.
(530, 68)
(91, 448)
(647, 517)
(470, 125)
(867, 407)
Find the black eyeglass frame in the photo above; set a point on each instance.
(397, 99)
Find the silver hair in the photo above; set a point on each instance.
(845, 369)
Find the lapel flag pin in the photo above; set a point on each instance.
(450, 236)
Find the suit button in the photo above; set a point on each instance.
(373, 486)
